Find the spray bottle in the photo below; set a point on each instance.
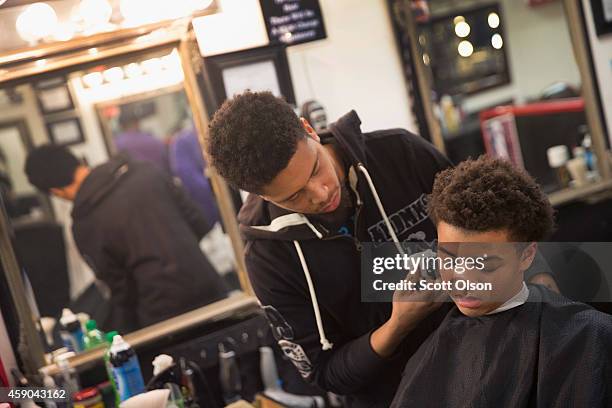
(109, 367)
(71, 331)
(125, 369)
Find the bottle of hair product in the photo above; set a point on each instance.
(71, 331)
(126, 369)
(69, 379)
(109, 367)
(94, 337)
(229, 375)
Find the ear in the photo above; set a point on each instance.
(527, 256)
(311, 132)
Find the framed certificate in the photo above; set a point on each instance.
(65, 132)
(258, 69)
(53, 95)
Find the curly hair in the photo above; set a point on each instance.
(490, 195)
(252, 138)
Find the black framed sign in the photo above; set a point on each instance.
(602, 16)
(257, 69)
(66, 131)
(293, 22)
(53, 95)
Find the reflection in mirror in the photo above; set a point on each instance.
(128, 233)
(498, 87)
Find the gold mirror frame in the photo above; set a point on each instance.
(183, 38)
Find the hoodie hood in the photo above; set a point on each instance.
(260, 219)
(98, 184)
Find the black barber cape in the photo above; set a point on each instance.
(548, 352)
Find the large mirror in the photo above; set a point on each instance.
(492, 73)
(140, 238)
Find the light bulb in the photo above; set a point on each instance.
(114, 74)
(462, 29)
(95, 13)
(465, 49)
(497, 41)
(93, 79)
(493, 20)
(36, 22)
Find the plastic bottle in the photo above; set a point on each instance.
(109, 367)
(71, 331)
(94, 337)
(125, 369)
(69, 377)
(590, 157)
(229, 375)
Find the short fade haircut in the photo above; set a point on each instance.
(252, 138)
(50, 166)
(490, 194)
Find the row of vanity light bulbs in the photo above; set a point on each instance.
(39, 21)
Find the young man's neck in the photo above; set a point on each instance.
(70, 192)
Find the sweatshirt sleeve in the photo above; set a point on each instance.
(345, 369)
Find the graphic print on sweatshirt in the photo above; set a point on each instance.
(403, 221)
(283, 333)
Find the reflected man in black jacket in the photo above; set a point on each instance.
(138, 231)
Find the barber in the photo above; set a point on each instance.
(314, 199)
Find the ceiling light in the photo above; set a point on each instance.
(465, 49)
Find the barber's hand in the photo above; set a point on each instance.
(545, 279)
(409, 308)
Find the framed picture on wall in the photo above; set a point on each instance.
(258, 69)
(66, 131)
(602, 16)
(53, 95)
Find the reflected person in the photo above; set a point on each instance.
(138, 231)
(138, 143)
(515, 344)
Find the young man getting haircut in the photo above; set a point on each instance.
(315, 198)
(512, 345)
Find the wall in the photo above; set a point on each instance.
(352, 69)
(601, 47)
(348, 70)
(539, 52)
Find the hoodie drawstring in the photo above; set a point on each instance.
(326, 345)
(381, 209)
